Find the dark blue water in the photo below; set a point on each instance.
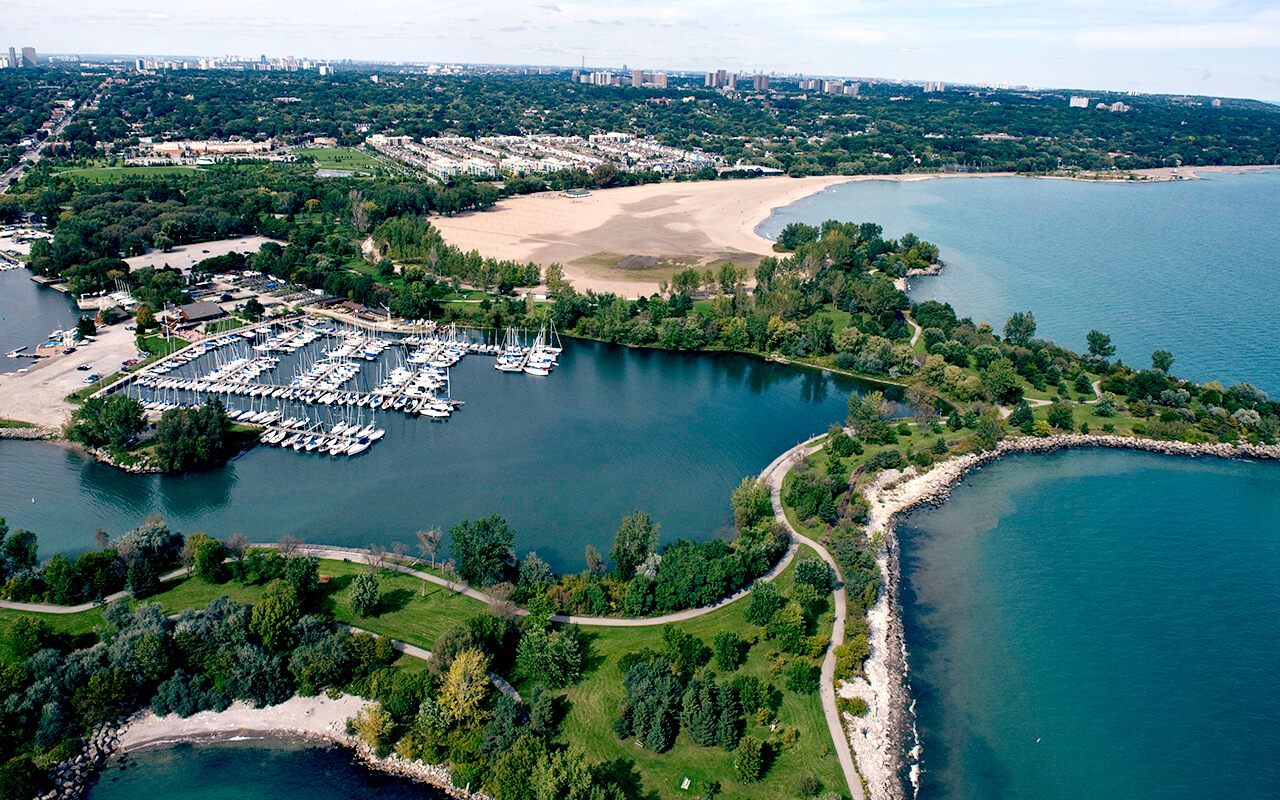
(1192, 267)
(1098, 624)
(261, 768)
(28, 314)
(563, 458)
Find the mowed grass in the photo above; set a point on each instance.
(593, 705)
(410, 614)
(340, 158)
(112, 173)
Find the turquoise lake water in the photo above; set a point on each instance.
(1098, 624)
(1191, 266)
(256, 769)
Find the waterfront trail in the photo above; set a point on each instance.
(772, 476)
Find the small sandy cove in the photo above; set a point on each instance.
(308, 716)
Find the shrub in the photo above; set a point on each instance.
(802, 676)
(365, 599)
(749, 762)
(854, 706)
(729, 650)
(816, 574)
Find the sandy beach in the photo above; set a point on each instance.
(299, 716)
(626, 240)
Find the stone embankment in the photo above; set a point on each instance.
(29, 433)
(885, 738)
(143, 466)
(71, 777)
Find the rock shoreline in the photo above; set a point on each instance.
(29, 434)
(885, 739)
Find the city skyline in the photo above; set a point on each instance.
(1206, 47)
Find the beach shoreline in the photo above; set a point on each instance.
(885, 740)
(626, 240)
(319, 720)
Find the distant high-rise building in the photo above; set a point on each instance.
(760, 83)
(935, 87)
(660, 80)
(853, 89)
(637, 78)
(28, 56)
(833, 87)
(1216, 104)
(717, 80)
(731, 82)
(1079, 102)
(13, 59)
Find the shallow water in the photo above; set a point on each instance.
(28, 314)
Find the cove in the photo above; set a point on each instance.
(1186, 266)
(563, 458)
(1097, 623)
(264, 769)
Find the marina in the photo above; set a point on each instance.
(319, 386)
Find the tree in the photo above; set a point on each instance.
(764, 602)
(253, 309)
(365, 598)
(207, 554)
(816, 574)
(751, 503)
(192, 438)
(429, 543)
(1001, 380)
(1061, 416)
(1100, 345)
(1019, 328)
(303, 574)
(374, 727)
(85, 327)
(1162, 360)
(465, 686)
(729, 651)
(595, 561)
(145, 317)
(749, 761)
(483, 548)
(112, 421)
(789, 626)
(273, 619)
(553, 657)
(635, 541)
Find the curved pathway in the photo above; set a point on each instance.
(773, 475)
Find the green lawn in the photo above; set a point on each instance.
(75, 629)
(14, 423)
(594, 703)
(111, 173)
(340, 158)
(224, 325)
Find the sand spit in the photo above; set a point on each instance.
(885, 739)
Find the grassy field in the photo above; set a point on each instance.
(14, 423)
(593, 705)
(340, 158)
(111, 173)
(224, 325)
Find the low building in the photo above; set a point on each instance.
(196, 313)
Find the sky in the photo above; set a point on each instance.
(1228, 48)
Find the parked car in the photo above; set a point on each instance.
(68, 351)
(84, 367)
(94, 378)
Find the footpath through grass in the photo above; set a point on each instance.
(593, 705)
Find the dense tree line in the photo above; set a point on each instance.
(644, 579)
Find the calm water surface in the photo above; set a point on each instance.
(28, 314)
(1192, 267)
(261, 769)
(563, 458)
(1098, 624)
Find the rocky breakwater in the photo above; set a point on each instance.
(140, 466)
(71, 777)
(885, 738)
(31, 434)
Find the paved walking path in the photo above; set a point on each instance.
(773, 476)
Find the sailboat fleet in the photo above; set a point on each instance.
(310, 386)
(535, 359)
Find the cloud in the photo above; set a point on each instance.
(1181, 37)
(549, 7)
